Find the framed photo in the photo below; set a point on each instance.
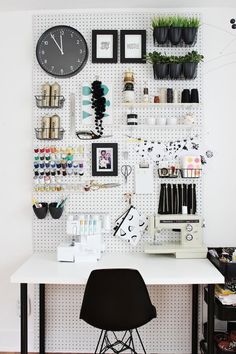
(132, 46)
(104, 159)
(104, 46)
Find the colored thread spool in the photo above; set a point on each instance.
(36, 173)
(64, 164)
(36, 165)
(47, 164)
(42, 164)
(42, 150)
(41, 157)
(36, 150)
(36, 157)
(53, 173)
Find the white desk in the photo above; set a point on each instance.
(155, 269)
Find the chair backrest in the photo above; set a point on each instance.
(116, 299)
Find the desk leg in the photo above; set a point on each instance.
(195, 319)
(210, 318)
(24, 318)
(42, 318)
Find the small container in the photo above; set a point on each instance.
(41, 212)
(56, 213)
(161, 121)
(132, 119)
(145, 95)
(156, 99)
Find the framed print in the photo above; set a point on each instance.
(104, 46)
(132, 46)
(104, 159)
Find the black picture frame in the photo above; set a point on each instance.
(124, 57)
(95, 42)
(103, 166)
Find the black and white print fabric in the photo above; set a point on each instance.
(130, 226)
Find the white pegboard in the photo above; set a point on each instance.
(64, 331)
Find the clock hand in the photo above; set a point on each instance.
(61, 44)
(52, 35)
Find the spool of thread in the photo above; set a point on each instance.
(175, 96)
(169, 95)
(132, 119)
(55, 93)
(46, 90)
(106, 222)
(194, 96)
(45, 127)
(185, 97)
(163, 95)
(54, 127)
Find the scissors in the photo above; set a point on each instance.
(126, 171)
(90, 135)
(93, 186)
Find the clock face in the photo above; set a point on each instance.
(62, 51)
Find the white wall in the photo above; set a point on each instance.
(15, 141)
(15, 176)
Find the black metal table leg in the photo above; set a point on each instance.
(42, 318)
(24, 318)
(195, 319)
(210, 318)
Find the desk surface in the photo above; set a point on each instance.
(155, 269)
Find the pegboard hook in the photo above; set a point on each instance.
(128, 197)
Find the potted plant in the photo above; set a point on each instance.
(175, 67)
(160, 27)
(189, 31)
(190, 63)
(160, 65)
(175, 30)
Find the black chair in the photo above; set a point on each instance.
(117, 300)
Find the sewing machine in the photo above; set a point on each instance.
(191, 240)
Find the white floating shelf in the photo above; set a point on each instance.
(160, 105)
(151, 126)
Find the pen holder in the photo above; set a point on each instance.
(56, 213)
(41, 212)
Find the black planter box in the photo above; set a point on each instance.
(222, 312)
(189, 35)
(175, 35)
(56, 213)
(190, 70)
(227, 269)
(160, 35)
(41, 212)
(161, 71)
(175, 71)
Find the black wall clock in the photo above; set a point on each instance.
(62, 51)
